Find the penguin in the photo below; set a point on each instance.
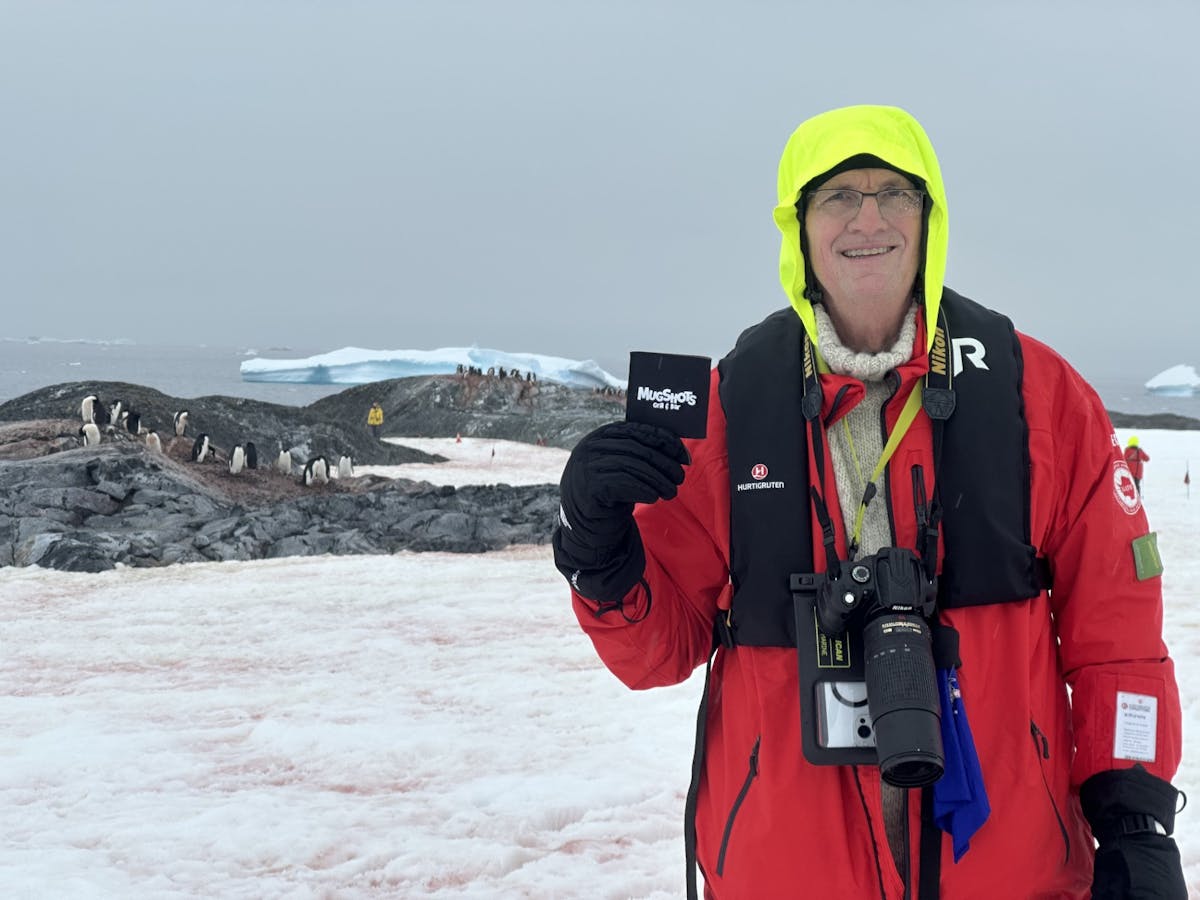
(133, 422)
(284, 462)
(100, 413)
(90, 432)
(237, 459)
(115, 412)
(316, 470)
(200, 448)
(251, 455)
(153, 442)
(345, 468)
(87, 408)
(181, 418)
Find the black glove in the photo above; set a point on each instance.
(1134, 861)
(596, 545)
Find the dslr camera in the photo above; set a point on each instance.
(887, 600)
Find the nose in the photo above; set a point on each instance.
(868, 217)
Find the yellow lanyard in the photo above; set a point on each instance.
(907, 415)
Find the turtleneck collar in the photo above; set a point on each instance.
(863, 366)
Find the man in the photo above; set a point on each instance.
(884, 424)
(375, 419)
(1137, 458)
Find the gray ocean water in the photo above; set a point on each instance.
(26, 365)
(175, 370)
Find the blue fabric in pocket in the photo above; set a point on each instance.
(960, 803)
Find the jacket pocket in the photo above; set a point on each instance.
(1042, 747)
(751, 774)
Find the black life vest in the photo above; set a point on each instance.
(983, 470)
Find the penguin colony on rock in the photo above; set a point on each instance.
(99, 419)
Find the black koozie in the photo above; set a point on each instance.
(669, 390)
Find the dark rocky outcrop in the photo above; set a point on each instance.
(66, 506)
(1165, 421)
(422, 406)
(476, 406)
(89, 509)
(305, 431)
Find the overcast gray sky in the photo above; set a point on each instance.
(574, 179)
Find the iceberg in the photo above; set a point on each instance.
(1177, 381)
(354, 365)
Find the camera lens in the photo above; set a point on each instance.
(908, 770)
(903, 697)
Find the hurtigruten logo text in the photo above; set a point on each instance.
(759, 473)
(665, 398)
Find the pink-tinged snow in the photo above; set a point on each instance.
(412, 726)
(477, 461)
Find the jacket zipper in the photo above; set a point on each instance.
(737, 804)
(871, 830)
(1042, 747)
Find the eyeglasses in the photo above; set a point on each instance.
(844, 203)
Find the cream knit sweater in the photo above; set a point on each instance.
(856, 441)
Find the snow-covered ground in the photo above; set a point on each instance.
(477, 461)
(409, 726)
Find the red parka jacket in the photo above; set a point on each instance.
(1137, 458)
(1040, 677)
(803, 830)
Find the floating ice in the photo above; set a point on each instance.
(354, 365)
(1177, 381)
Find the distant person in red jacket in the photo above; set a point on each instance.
(1136, 458)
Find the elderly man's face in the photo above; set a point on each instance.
(866, 260)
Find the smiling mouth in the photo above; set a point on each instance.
(867, 251)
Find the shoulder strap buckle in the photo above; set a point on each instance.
(938, 403)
